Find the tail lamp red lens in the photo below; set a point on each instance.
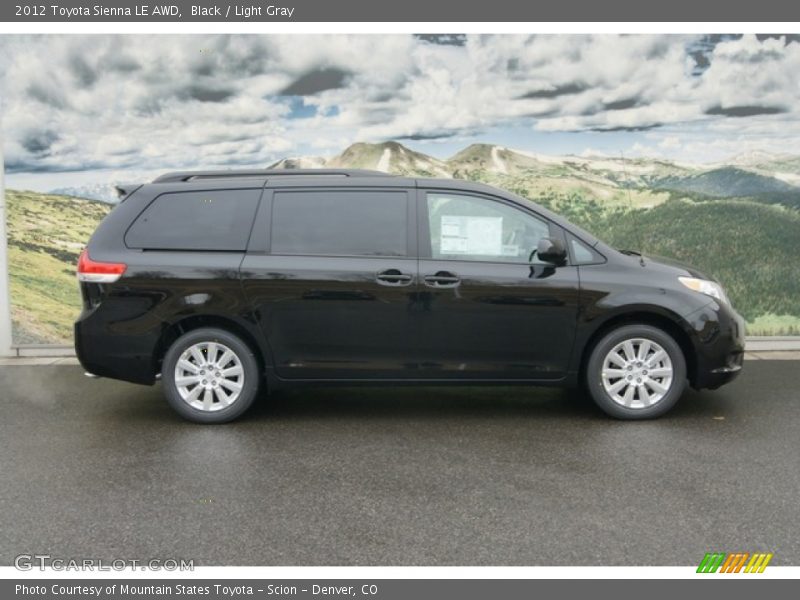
(92, 271)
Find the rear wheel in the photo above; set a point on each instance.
(210, 376)
(636, 372)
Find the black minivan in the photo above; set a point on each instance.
(223, 283)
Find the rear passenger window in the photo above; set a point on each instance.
(215, 220)
(340, 223)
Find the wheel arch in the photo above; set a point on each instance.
(669, 323)
(173, 331)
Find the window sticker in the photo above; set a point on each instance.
(510, 250)
(479, 236)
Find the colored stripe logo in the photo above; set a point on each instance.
(735, 562)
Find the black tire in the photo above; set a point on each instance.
(250, 382)
(594, 368)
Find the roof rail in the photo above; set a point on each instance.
(244, 173)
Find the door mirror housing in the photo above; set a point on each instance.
(551, 250)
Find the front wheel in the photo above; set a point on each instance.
(636, 372)
(210, 376)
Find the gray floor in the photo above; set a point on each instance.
(505, 476)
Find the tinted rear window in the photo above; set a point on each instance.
(340, 223)
(213, 220)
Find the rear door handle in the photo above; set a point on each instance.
(442, 279)
(393, 277)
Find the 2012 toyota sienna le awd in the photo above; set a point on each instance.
(225, 283)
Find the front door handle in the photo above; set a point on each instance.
(442, 279)
(393, 277)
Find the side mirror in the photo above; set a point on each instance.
(551, 251)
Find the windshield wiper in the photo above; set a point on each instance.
(634, 253)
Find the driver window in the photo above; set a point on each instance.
(471, 228)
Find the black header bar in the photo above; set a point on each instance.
(403, 11)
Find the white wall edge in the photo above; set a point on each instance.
(5, 291)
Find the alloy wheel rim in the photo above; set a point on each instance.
(209, 376)
(637, 373)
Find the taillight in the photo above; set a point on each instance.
(92, 271)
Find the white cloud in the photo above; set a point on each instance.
(670, 142)
(157, 102)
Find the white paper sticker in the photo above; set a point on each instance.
(450, 229)
(454, 245)
(478, 236)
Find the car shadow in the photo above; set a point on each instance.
(422, 402)
(133, 403)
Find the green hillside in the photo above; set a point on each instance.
(728, 182)
(751, 247)
(45, 235)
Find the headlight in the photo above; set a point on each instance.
(709, 288)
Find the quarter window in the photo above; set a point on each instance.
(583, 254)
(340, 223)
(470, 228)
(217, 220)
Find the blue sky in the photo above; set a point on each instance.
(89, 109)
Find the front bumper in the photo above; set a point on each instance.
(718, 335)
(722, 375)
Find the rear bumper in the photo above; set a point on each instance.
(718, 333)
(117, 356)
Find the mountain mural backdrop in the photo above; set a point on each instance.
(738, 220)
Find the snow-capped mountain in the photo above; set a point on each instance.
(300, 162)
(608, 178)
(604, 177)
(391, 157)
(105, 192)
